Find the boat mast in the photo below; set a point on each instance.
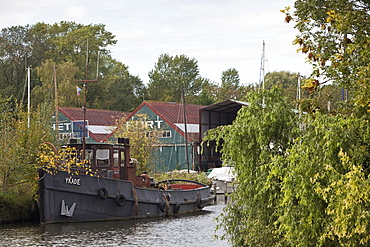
(185, 127)
(84, 131)
(186, 130)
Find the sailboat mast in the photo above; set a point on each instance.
(186, 131)
(263, 65)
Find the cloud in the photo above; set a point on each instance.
(218, 34)
(76, 12)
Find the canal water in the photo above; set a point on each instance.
(197, 229)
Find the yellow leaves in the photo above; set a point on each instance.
(347, 198)
(337, 57)
(298, 41)
(285, 10)
(288, 17)
(344, 158)
(144, 137)
(331, 16)
(305, 49)
(310, 85)
(68, 159)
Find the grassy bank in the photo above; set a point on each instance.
(182, 174)
(17, 207)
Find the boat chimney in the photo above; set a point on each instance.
(124, 141)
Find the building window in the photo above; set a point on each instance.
(165, 134)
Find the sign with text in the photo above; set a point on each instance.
(78, 129)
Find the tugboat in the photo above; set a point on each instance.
(110, 189)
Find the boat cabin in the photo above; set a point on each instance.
(113, 161)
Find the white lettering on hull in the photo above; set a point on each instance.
(74, 181)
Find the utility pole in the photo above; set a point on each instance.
(56, 101)
(29, 96)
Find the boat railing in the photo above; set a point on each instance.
(72, 171)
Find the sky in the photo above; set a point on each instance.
(218, 34)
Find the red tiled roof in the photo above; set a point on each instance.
(95, 117)
(173, 113)
(193, 136)
(99, 137)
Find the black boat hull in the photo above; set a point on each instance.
(78, 198)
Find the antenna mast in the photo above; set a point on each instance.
(84, 130)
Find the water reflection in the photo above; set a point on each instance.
(190, 230)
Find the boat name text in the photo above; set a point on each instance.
(74, 181)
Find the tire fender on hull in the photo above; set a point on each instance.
(176, 208)
(162, 206)
(102, 193)
(120, 200)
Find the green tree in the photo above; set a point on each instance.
(62, 75)
(80, 44)
(335, 37)
(324, 186)
(21, 136)
(229, 88)
(302, 179)
(143, 139)
(326, 97)
(123, 91)
(64, 43)
(15, 49)
(73, 42)
(171, 75)
(207, 95)
(256, 135)
(286, 81)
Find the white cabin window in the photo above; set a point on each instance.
(102, 157)
(89, 155)
(116, 158)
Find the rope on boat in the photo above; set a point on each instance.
(136, 199)
(43, 176)
(118, 187)
(167, 203)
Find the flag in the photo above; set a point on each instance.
(78, 91)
